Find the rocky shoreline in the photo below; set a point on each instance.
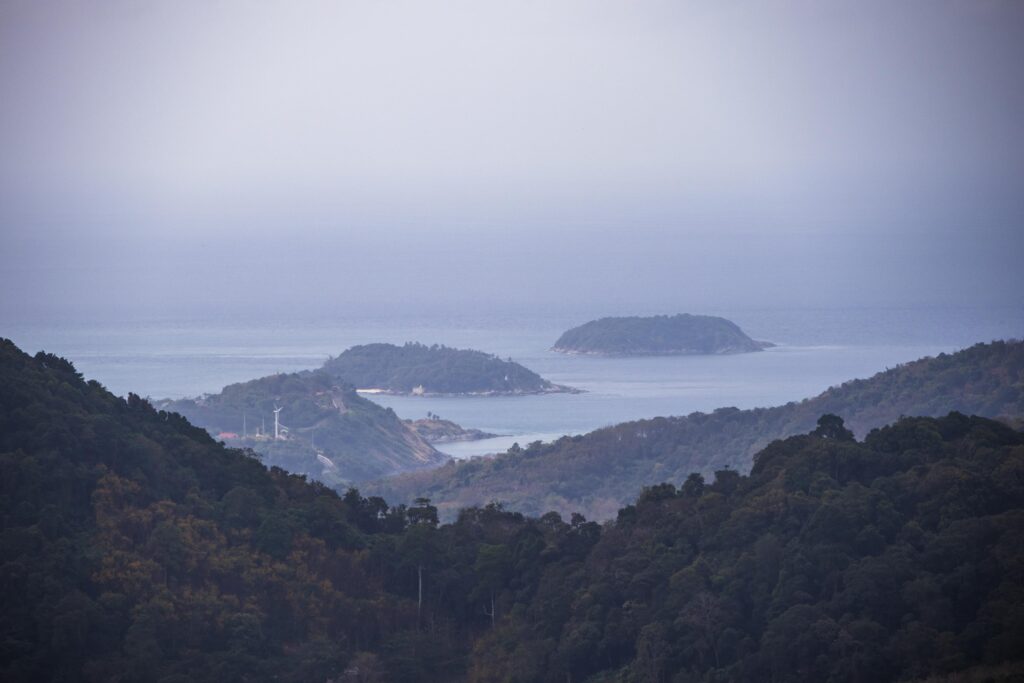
(436, 430)
(553, 389)
(570, 351)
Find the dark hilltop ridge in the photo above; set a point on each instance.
(659, 335)
(599, 472)
(418, 369)
(134, 547)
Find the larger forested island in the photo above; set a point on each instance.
(420, 369)
(659, 335)
(136, 548)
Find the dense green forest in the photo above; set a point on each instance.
(659, 335)
(136, 548)
(601, 471)
(899, 558)
(434, 370)
(359, 439)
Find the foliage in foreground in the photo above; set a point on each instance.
(894, 559)
(135, 548)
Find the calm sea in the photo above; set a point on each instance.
(816, 349)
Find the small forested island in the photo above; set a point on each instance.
(659, 335)
(418, 369)
(137, 548)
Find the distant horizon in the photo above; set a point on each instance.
(240, 314)
(188, 158)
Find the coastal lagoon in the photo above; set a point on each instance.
(816, 349)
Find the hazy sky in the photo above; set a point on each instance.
(178, 157)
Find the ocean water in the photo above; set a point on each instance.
(816, 349)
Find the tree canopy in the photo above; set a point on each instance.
(134, 547)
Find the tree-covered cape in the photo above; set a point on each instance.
(360, 439)
(135, 548)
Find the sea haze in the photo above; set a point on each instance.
(816, 349)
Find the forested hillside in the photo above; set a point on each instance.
(901, 558)
(599, 472)
(135, 548)
(434, 370)
(355, 438)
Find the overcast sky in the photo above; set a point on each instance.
(177, 157)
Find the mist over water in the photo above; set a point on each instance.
(194, 194)
(322, 161)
